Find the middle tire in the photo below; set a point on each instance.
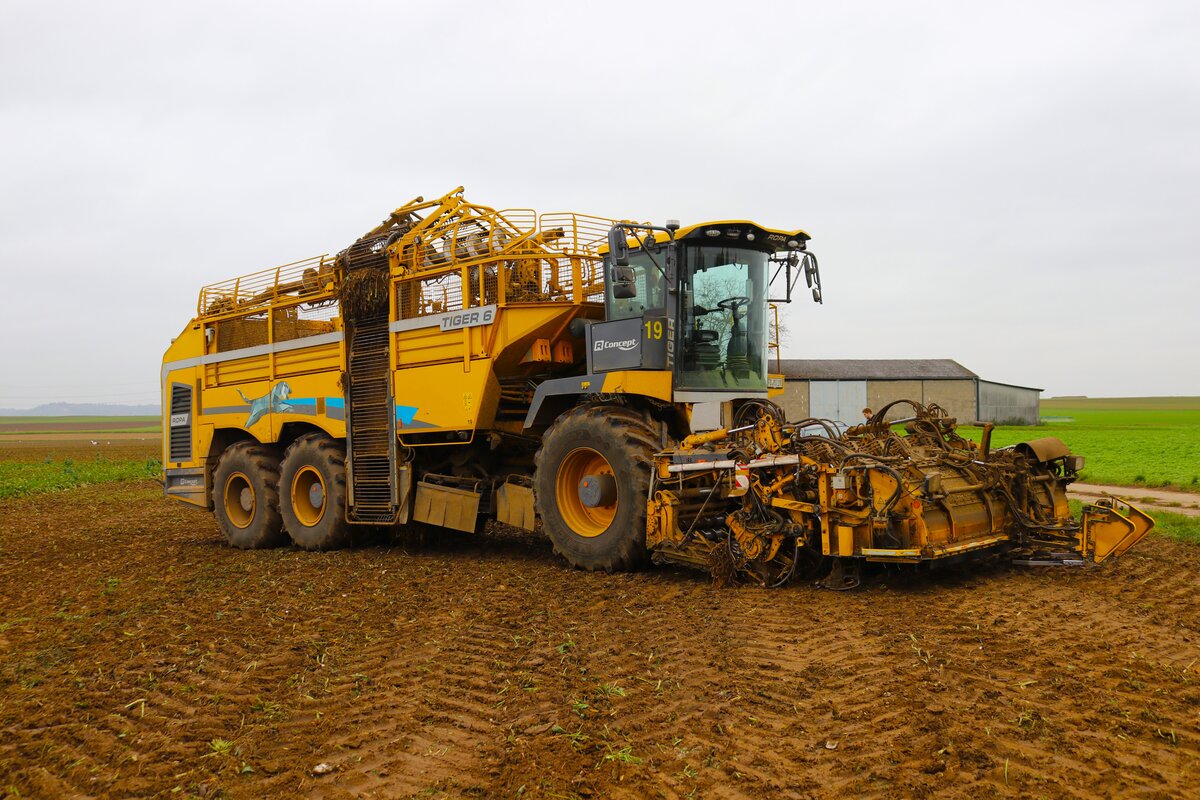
(591, 481)
(312, 488)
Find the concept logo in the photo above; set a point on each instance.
(625, 345)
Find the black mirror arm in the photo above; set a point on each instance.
(668, 274)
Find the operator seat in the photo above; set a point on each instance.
(705, 352)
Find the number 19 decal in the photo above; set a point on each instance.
(654, 329)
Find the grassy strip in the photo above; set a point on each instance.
(22, 478)
(1176, 526)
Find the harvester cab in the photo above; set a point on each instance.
(695, 306)
(700, 298)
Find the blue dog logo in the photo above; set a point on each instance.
(275, 400)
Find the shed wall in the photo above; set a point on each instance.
(957, 397)
(880, 393)
(794, 400)
(1002, 403)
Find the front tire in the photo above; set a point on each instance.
(313, 483)
(610, 447)
(245, 496)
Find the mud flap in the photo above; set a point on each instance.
(447, 506)
(1112, 526)
(514, 504)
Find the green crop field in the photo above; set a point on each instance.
(19, 478)
(1138, 441)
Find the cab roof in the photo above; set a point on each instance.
(731, 231)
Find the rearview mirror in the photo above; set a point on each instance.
(624, 283)
(618, 246)
(812, 276)
(810, 270)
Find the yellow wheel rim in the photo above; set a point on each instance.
(583, 520)
(308, 496)
(239, 500)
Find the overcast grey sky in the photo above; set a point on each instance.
(1011, 185)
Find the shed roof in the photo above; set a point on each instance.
(1012, 385)
(889, 369)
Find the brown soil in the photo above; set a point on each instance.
(74, 448)
(140, 656)
(117, 424)
(40, 439)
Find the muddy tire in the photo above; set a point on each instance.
(313, 484)
(245, 496)
(602, 526)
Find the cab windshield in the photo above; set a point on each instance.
(723, 299)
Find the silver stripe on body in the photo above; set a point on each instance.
(233, 355)
(251, 352)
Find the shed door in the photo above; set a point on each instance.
(838, 400)
(852, 399)
(823, 399)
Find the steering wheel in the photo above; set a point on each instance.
(732, 304)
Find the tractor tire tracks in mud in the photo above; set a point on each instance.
(140, 656)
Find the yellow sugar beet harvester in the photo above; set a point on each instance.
(605, 381)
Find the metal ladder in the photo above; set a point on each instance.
(370, 423)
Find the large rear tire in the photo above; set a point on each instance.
(313, 484)
(245, 496)
(600, 525)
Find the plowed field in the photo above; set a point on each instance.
(140, 656)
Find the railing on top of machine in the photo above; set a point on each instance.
(513, 255)
(309, 280)
(498, 257)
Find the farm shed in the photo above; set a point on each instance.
(841, 388)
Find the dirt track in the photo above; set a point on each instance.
(1149, 500)
(138, 654)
